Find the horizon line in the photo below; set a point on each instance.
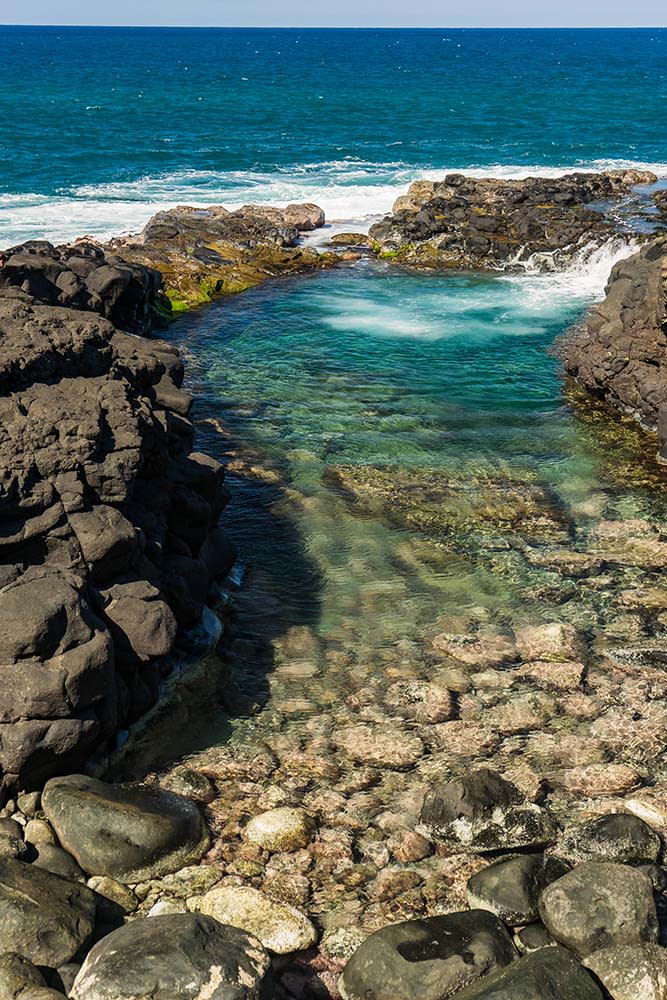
(357, 27)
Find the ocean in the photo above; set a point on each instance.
(101, 127)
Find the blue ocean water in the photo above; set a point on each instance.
(99, 127)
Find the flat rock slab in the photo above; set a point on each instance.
(544, 975)
(600, 904)
(43, 917)
(281, 928)
(130, 833)
(181, 955)
(427, 959)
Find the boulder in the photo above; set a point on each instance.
(484, 812)
(175, 956)
(429, 959)
(128, 832)
(17, 974)
(546, 974)
(44, 918)
(631, 971)
(618, 837)
(600, 904)
(304, 217)
(281, 829)
(281, 928)
(511, 887)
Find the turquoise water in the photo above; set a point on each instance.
(100, 127)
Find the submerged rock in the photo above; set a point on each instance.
(176, 955)
(431, 958)
(281, 829)
(484, 812)
(130, 833)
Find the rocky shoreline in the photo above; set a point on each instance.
(484, 820)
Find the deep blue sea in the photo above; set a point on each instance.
(99, 127)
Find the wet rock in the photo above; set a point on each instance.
(419, 700)
(408, 846)
(563, 675)
(616, 837)
(17, 975)
(631, 971)
(600, 904)
(190, 784)
(596, 779)
(542, 975)
(511, 886)
(431, 958)
(379, 746)
(556, 641)
(126, 832)
(54, 859)
(341, 942)
(282, 829)
(650, 804)
(483, 651)
(43, 917)
(532, 938)
(281, 928)
(483, 812)
(175, 955)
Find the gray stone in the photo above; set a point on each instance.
(631, 971)
(547, 974)
(59, 862)
(131, 833)
(16, 975)
(616, 837)
(184, 956)
(429, 959)
(484, 812)
(600, 904)
(43, 917)
(511, 886)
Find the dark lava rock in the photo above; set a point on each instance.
(17, 974)
(547, 974)
(511, 886)
(617, 837)
(175, 956)
(484, 812)
(600, 904)
(430, 958)
(621, 355)
(131, 833)
(631, 971)
(43, 917)
(466, 222)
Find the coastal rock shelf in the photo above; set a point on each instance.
(464, 222)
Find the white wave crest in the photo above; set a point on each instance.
(349, 190)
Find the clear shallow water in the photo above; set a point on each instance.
(100, 127)
(401, 455)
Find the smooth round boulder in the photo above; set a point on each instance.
(619, 837)
(182, 955)
(511, 886)
(600, 904)
(631, 971)
(543, 975)
(43, 917)
(282, 829)
(129, 832)
(281, 928)
(427, 959)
